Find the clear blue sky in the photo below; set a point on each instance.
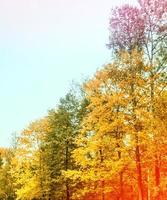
(44, 45)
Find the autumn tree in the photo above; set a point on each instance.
(110, 142)
(7, 188)
(29, 169)
(59, 143)
(144, 27)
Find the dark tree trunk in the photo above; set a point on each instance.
(139, 174)
(157, 177)
(66, 168)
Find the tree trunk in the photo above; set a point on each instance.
(102, 182)
(67, 191)
(157, 177)
(118, 137)
(66, 168)
(137, 150)
(139, 174)
(148, 185)
(121, 186)
(157, 165)
(121, 191)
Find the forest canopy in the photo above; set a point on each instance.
(108, 140)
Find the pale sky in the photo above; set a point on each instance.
(44, 45)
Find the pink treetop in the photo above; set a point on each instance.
(132, 26)
(153, 8)
(154, 14)
(126, 28)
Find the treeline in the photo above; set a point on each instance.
(108, 141)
